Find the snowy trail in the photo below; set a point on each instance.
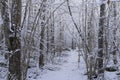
(68, 71)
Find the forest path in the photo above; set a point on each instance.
(65, 68)
(68, 70)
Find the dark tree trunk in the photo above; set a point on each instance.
(41, 61)
(5, 16)
(52, 36)
(100, 39)
(14, 39)
(42, 31)
(114, 34)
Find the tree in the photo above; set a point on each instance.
(101, 41)
(52, 37)
(114, 34)
(26, 39)
(43, 18)
(14, 42)
(5, 17)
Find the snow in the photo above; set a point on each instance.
(111, 76)
(3, 70)
(67, 71)
(66, 68)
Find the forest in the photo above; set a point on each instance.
(59, 40)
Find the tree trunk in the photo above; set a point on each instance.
(100, 41)
(41, 61)
(114, 34)
(5, 17)
(14, 39)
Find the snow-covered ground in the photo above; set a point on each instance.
(68, 70)
(64, 68)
